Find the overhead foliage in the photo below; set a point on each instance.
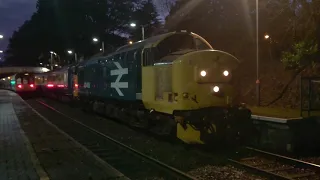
(61, 25)
(231, 25)
(303, 54)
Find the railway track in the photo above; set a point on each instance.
(276, 166)
(133, 164)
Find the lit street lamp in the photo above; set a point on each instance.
(130, 42)
(51, 59)
(267, 37)
(102, 43)
(75, 55)
(142, 29)
(1, 36)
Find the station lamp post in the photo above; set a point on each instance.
(257, 49)
(75, 55)
(268, 38)
(142, 29)
(51, 59)
(102, 43)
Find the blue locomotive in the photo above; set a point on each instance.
(174, 83)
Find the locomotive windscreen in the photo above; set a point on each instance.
(25, 78)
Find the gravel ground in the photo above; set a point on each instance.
(198, 163)
(222, 172)
(314, 160)
(277, 167)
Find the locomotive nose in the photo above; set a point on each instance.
(213, 66)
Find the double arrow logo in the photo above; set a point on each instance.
(117, 85)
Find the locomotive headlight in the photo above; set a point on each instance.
(216, 89)
(226, 73)
(203, 73)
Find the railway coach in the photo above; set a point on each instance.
(21, 83)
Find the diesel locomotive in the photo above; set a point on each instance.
(174, 83)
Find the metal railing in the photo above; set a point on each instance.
(310, 95)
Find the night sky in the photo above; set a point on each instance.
(13, 13)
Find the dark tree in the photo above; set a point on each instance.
(145, 15)
(61, 25)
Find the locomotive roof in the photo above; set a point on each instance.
(138, 45)
(143, 43)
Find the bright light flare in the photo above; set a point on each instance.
(226, 73)
(216, 89)
(1, 36)
(203, 73)
(20, 86)
(50, 85)
(1, 51)
(130, 42)
(133, 24)
(32, 85)
(70, 52)
(95, 39)
(266, 36)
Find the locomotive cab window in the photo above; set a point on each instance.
(201, 45)
(175, 45)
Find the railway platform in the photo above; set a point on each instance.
(286, 130)
(31, 148)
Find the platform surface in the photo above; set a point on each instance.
(32, 149)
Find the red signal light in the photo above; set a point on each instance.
(76, 85)
(32, 85)
(50, 85)
(20, 86)
(60, 85)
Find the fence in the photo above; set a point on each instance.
(310, 95)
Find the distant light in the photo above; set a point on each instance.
(133, 24)
(40, 63)
(32, 85)
(216, 89)
(70, 52)
(20, 86)
(1, 51)
(26, 74)
(266, 36)
(100, 49)
(9, 77)
(56, 65)
(51, 52)
(203, 73)
(130, 42)
(1, 36)
(226, 73)
(50, 85)
(95, 39)
(3, 79)
(44, 70)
